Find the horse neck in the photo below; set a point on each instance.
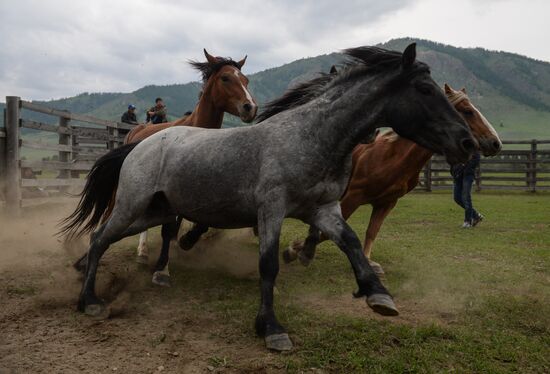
(418, 156)
(343, 116)
(206, 114)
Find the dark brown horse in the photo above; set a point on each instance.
(225, 89)
(387, 169)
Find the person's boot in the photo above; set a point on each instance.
(477, 219)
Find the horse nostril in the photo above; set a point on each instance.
(496, 145)
(247, 107)
(468, 145)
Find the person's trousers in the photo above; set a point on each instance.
(462, 191)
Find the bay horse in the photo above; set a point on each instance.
(388, 169)
(295, 164)
(225, 89)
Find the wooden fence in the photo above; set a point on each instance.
(523, 165)
(78, 145)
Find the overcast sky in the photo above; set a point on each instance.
(60, 48)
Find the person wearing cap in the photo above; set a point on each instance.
(157, 114)
(128, 117)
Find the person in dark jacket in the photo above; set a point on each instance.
(463, 179)
(128, 117)
(157, 114)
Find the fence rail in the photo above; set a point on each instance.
(81, 139)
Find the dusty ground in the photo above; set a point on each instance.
(40, 330)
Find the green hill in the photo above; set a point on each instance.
(513, 91)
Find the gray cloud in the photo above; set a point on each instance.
(61, 48)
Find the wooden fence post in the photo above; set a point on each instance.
(3, 159)
(64, 139)
(532, 175)
(428, 176)
(13, 169)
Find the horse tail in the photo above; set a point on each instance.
(98, 193)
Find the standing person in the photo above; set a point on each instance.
(463, 179)
(128, 117)
(157, 114)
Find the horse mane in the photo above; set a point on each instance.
(361, 61)
(208, 69)
(298, 95)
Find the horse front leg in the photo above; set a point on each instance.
(330, 221)
(267, 326)
(377, 217)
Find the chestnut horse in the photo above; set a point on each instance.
(388, 169)
(225, 89)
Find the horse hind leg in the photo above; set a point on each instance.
(378, 215)
(161, 276)
(190, 238)
(142, 249)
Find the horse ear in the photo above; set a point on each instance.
(333, 70)
(211, 59)
(448, 89)
(241, 63)
(463, 89)
(409, 56)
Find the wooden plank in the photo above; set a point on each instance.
(46, 146)
(91, 150)
(53, 182)
(99, 134)
(13, 170)
(73, 116)
(56, 165)
(90, 141)
(44, 127)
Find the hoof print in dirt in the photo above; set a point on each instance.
(278, 342)
(161, 279)
(382, 304)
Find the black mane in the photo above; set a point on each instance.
(207, 69)
(361, 60)
(300, 94)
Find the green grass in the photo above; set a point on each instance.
(471, 300)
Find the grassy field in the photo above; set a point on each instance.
(471, 300)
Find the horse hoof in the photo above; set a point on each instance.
(142, 259)
(185, 243)
(161, 279)
(382, 304)
(97, 311)
(377, 268)
(304, 260)
(289, 255)
(278, 342)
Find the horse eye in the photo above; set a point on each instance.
(468, 112)
(225, 78)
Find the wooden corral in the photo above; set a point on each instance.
(81, 140)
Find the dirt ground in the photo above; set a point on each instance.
(41, 331)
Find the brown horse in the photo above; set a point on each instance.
(386, 170)
(225, 89)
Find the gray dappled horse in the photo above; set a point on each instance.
(294, 164)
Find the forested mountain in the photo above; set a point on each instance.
(513, 91)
